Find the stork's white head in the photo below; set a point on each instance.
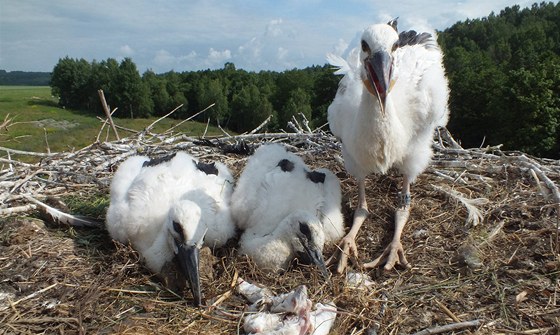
(185, 237)
(377, 44)
(309, 238)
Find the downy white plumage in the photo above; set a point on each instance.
(166, 208)
(285, 209)
(392, 97)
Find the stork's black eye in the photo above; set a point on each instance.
(365, 47)
(179, 229)
(304, 229)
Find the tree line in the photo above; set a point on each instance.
(503, 70)
(25, 78)
(242, 100)
(504, 74)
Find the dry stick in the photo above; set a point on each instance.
(31, 296)
(189, 118)
(553, 189)
(449, 327)
(20, 209)
(261, 125)
(223, 131)
(28, 153)
(103, 125)
(542, 176)
(25, 180)
(148, 128)
(107, 112)
(228, 293)
(11, 161)
(47, 141)
(206, 128)
(447, 311)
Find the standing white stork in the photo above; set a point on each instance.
(391, 99)
(285, 209)
(166, 208)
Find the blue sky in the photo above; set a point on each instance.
(185, 35)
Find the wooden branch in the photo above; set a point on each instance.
(19, 209)
(542, 176)
(30, 296)
(103, 125)
(151, 125)
(189, 118)
(28, 153)
(449, 327)
(261, 125)
(107, 112)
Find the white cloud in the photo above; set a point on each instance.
(126, 50)
(282, 54)
(164, 58)
(267, 35)
(217, 58)
(273, 28)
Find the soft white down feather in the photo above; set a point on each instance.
(285, 208)
(392, 97)
(166, 206)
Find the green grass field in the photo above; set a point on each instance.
(38, 124)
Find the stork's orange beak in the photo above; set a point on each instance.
(378, 69)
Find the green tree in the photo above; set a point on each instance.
(249, 108)
(211, 91)
(132, 95)
(71, 82)
(298, 104)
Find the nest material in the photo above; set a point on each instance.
(501, 268)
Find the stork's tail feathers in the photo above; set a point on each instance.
(339, 63)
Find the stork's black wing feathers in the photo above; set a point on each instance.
(159, 160)
(208, 168)
(286, 165)
(411, 37)
(316, 177)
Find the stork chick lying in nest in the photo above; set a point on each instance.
(167, 208)
(286, 210)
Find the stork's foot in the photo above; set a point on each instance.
(393, 255)
(347, 248)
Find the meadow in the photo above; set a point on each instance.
(38, 124)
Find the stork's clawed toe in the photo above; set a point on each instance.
(347, 248)
(391, 256)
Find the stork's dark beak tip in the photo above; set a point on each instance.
(317, 258)
(188, 257)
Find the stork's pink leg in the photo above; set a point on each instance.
(348, 243)
(394, 252)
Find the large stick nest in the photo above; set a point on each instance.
(482, 238)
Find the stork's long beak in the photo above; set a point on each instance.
(188, 257)
(316, 256)
(378, 70)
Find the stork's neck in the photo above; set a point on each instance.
(371, 109)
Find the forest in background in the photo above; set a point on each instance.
(503, 70)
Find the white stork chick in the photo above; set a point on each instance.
(393, 96)
(166, 208)
(285, 209)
